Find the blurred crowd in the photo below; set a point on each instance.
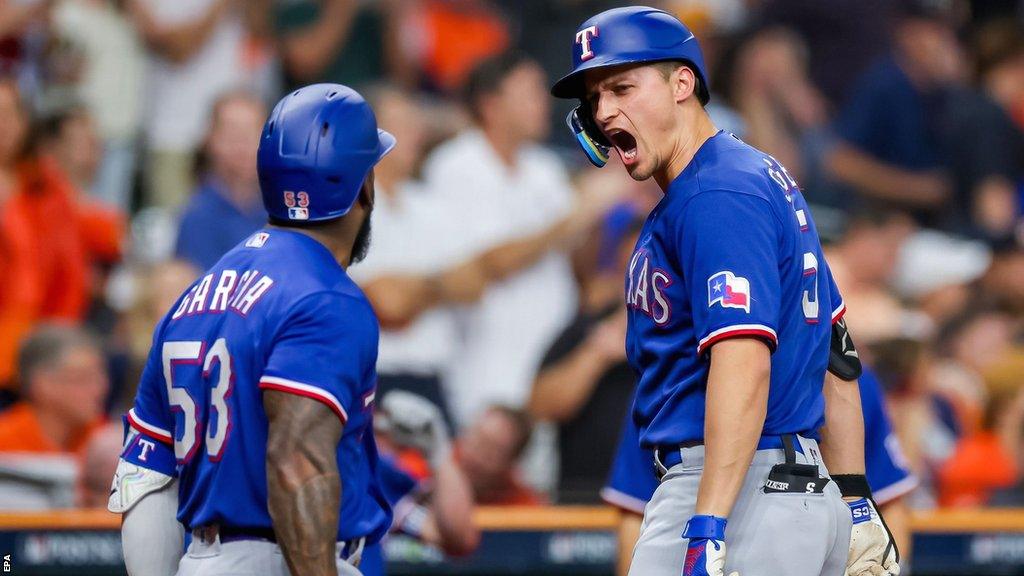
(128, 137)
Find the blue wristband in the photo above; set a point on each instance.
(861, 510)
(701, 526)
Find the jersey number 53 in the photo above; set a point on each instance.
(181, 400)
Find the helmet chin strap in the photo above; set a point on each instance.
(588, 135)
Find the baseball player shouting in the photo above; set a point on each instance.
(252, 422)
(731, 315)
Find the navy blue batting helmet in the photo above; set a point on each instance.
(631, 35)
(317, 148)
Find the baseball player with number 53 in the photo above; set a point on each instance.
(252, 425)
(733, 319)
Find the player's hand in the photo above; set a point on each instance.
(705, 551)
(872, 549)
(412, 421)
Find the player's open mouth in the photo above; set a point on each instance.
(625, 143)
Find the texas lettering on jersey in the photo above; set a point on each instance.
(645, 290)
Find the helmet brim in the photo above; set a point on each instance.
(387, 142)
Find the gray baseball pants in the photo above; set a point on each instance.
(242, 558)
(773, 534)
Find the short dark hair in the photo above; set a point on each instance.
(486, 77)
(668, 67)
(46, 346)
(523, 424)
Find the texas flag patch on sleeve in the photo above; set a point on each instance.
(729, 291)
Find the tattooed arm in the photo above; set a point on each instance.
(304, 488)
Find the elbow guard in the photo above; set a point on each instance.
(843, 360)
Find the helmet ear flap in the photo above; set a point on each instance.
(581, 123)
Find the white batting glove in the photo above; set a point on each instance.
(872, 549)
(412, 421)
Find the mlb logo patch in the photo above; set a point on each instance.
(729, 290)
(258, 240)
(298, 213)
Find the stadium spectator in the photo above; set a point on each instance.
(63, 385)
(110, 88)
(888, 152)
(456, 35)
(69, 137)
(843, 37)
(984, 145)
(971, 344)
(226, 207)
(489, 451)
(402, 271)
(863, 262)
(154, 289)
(344, 41)
(500, 186)
(99, 461)
(410, 274)
(41, 249)
(194, 55)
(23, 33)
(764, 79)
(987, 461)
(1003, 282)
(585, 383)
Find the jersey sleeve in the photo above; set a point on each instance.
(838, 307)
(728, 245)
(151, 412)
(325, 350)
(887, 471)
(631, 483)
(142, 450)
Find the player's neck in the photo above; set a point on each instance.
(698, 129)
(338, 240)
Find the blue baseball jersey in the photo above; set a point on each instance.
(631, 482)
(730, 251)
(397, 486)
(277, 312)
(887, 468)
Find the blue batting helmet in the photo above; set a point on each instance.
(315, 153)
(631, 35)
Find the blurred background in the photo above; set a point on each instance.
(128, 132)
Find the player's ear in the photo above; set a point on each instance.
(684, 82)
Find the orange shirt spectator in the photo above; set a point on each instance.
(64, 384)
(21, 431)
(488, 452)
(980, 465)
(43, 257)
(459, 34)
